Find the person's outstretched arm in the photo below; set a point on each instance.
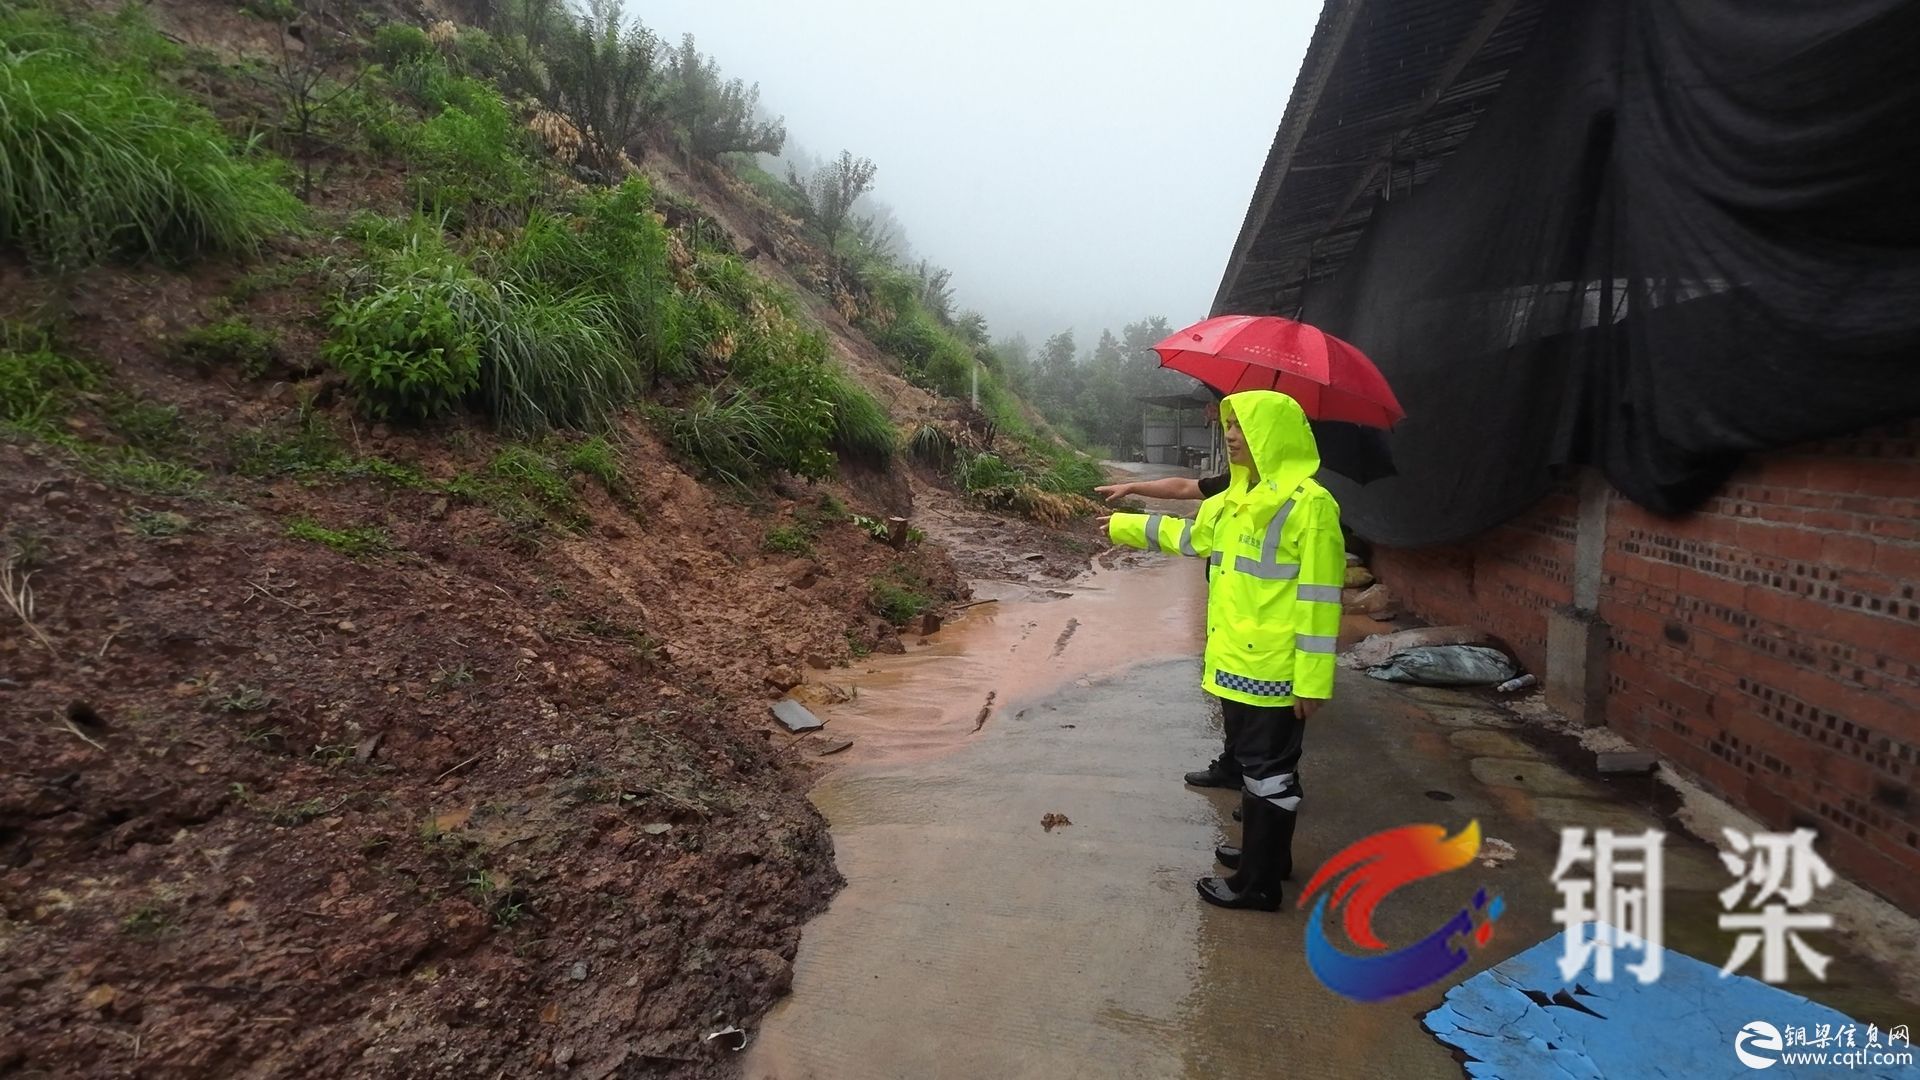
(1169, 487)
(1162, 533)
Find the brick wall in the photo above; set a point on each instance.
(1768, 644)
(1504, 581)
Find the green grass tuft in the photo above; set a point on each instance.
(932, 447)
(157, 524)
(788, 540)
(861, 428)
(37, 384)
(399, 43)
(155, 429)
(898, 603)
(524, 486)
(143, 473)
(98, 162)
(529, 472)
(987, 472)
(434, 332)
(304, 447)
(355, 541)
(231, 343)
(596, 458)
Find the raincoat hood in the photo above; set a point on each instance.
(1278, 436)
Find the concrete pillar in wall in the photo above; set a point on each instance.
(1576, 637)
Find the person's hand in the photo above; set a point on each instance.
(1305, 707)
(1114, 492)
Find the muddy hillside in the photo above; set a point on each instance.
(412, 497)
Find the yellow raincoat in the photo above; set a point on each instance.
(1273, 604)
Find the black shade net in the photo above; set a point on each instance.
(1683, 231)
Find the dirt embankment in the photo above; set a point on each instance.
(491, 796)
(481, 801)
(495, 794)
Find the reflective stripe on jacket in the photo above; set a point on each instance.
(1273, 605)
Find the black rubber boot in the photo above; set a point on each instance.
(1283, 824)
(1220, 772)
(1268, 843)
(1229, 856)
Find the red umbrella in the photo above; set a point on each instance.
(1330, 379)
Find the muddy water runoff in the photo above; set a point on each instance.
(1015, 644)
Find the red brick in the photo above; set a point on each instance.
(1855, 475)
(1869, 710)
(1638, 620)
(1894, 846)
(1902, 529)
(1827, 519)
(1691, 757)
(1664, 575)
(1628, 566)
(1711, 587)
(1892, 479)
(1896, 720)
(1787, 541)
(1708, 646)
(1692, 702)
(1851, 776)
(1848, 550)
(1772, 605)
(1900, 562)
(1896, 637)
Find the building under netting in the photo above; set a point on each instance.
(1642, 274)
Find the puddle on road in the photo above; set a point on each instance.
(996, 657)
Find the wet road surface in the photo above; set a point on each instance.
(971, 941)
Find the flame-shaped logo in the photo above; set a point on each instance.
(1373, 868)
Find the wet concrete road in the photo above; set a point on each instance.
(971, 942)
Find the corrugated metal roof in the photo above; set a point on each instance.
(1388, 89)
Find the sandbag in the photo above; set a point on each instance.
(1447, 665)
(1379, 648)
(1375, 600)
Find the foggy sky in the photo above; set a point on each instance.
(1075, 163)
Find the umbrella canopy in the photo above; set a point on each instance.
(1330, 379)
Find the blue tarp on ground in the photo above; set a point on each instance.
(1520, 1020)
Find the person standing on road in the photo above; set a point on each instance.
(1273, 620)
(1223, 771)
